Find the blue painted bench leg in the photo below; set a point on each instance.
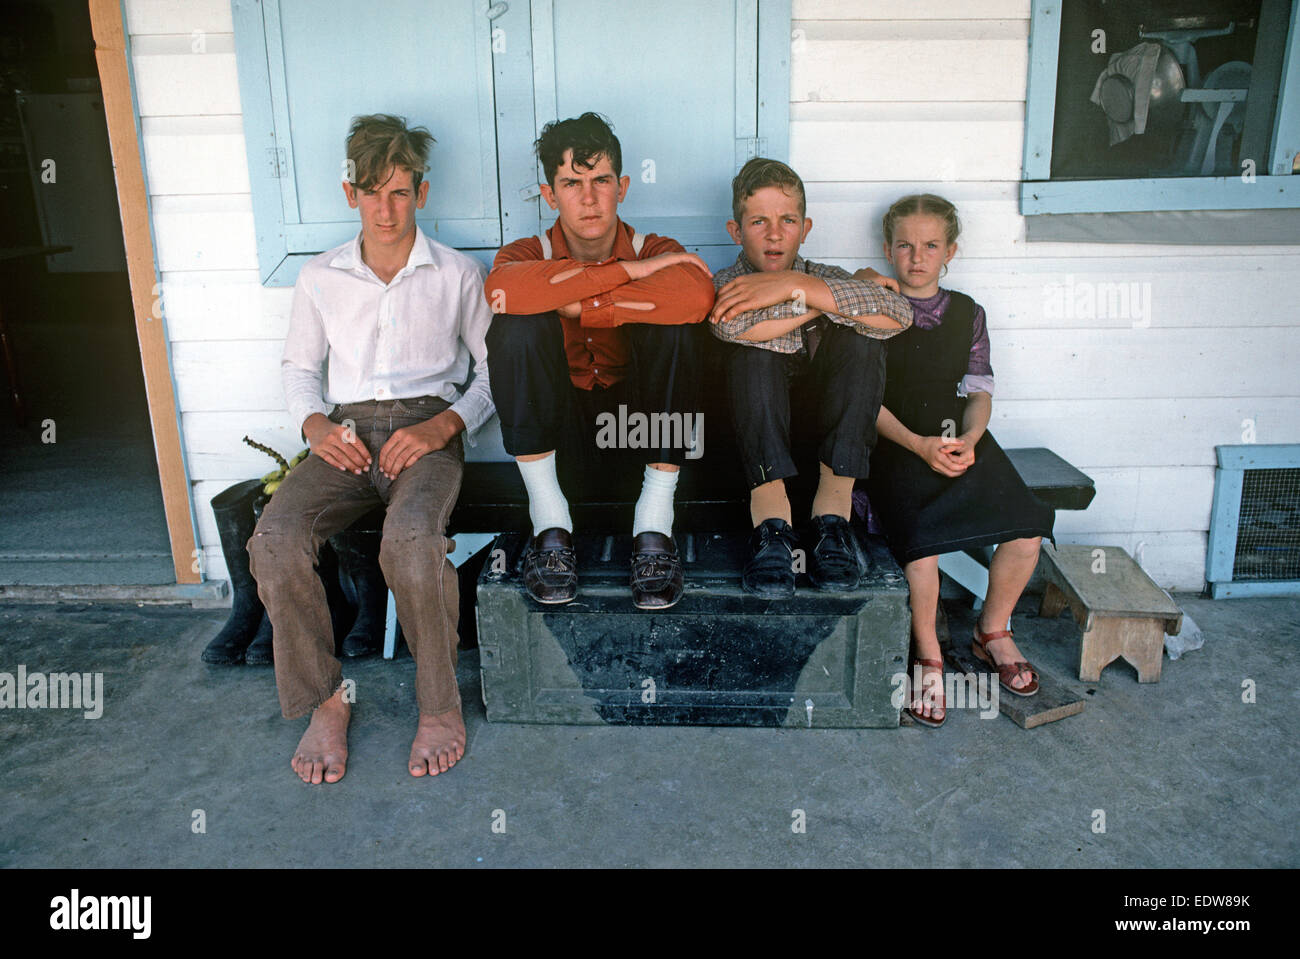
(390, 627)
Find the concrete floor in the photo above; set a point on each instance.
(1186, 773)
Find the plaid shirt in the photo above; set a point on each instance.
(852, 298)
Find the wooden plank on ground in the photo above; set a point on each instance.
(1054, 699)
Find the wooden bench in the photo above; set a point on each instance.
(710, 499)
(1052, 480)
(1121, 611)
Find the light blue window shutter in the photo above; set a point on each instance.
(693, 89)
(307, 69)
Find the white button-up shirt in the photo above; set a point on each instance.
(352, 337)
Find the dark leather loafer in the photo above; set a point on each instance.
(769, 574)
(833, 564)
(551, 567)
(656, 571)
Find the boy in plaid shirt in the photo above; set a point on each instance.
(789, 325)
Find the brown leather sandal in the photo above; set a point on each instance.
(1006, 671)
(939, 703)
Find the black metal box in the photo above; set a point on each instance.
(719, 657)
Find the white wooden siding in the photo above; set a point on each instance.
(187, 93)
(887, 97)
(894, 97)
(163, 17)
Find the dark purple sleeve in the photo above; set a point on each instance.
(980, 364)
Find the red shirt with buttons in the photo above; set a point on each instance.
(520, 282)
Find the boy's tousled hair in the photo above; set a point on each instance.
(589, 136)
(759, 172)
(922, 203)
(380, 142)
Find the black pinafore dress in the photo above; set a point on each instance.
(923, 512)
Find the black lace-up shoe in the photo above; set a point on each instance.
(834, 564)
(551, 567)
(656, 571)
(769, 573)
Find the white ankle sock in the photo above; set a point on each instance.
(654, 508)
(547, 506)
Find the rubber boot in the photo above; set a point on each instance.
(233, 509)
(259, 652)
(327, 566)
(262, 650)
(358, 555)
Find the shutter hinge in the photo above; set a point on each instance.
(275, 156)
(749, 147)
(530, 192)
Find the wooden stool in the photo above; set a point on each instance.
(1121, 611)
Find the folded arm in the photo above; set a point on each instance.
(667, 286)
(763, 330)
(874, 311)
(533, 285)
(747, 300)
(671, 289)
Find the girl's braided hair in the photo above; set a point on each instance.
(923, 203)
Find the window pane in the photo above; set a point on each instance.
(1166, 89)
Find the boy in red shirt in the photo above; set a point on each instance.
(590, 317)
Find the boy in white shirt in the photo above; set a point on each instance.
(383, 334)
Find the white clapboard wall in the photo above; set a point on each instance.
(887, 97)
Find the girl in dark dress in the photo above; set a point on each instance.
(939, 481)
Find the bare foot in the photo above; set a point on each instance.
(927, 698)
(322, 753)
(439, 743)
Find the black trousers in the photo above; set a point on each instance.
(541, 409)
(832, 399)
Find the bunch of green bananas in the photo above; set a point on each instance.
(272, 480)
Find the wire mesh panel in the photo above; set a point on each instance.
(1268, 531)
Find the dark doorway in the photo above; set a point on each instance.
(78, 472)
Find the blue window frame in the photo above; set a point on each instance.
(1269, 185)
(688, 105)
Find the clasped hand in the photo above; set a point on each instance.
(950, 456)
